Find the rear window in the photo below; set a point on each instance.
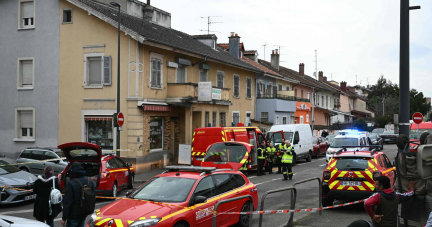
(226, 152)
(83, 153)
(60, 154)
(352, 163)
(277, 137)
(339, 142)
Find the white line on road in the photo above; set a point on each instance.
(251, 177)
(269, 181)
(323, 164)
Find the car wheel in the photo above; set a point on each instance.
(327, 202)
(24, 169)
(131, 180)
(402, 142)
(309, 157)
(179, 225)
(114, 190)
(244, 219)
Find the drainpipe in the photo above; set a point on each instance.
(313, 108)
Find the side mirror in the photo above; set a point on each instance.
(56, 161)
(199, 199)
(128, 164)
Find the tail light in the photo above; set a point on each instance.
(326, 175)
(104, 174)
(376, 174)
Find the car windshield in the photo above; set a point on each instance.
(226, 152)
(378, 130)
(373, 136)
(415, 134)
(277, 137)
(60, 154)
(7, 169)
(339, 142)
(352, 164)
(165, 189)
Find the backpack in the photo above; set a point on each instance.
(55, 195)
(87, 200)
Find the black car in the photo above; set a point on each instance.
(376, 140)
(389, 136)
(378, 131)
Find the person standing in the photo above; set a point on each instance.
(282, 146)
(73, 195)
(262, 153)
(271, 158)
(386, 202)
(243, 168)
(287, 159)
(43, 210)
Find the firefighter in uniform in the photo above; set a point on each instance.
(287, 159)
(271, 158)
(262, 153)
(282, 146)
(243, 168)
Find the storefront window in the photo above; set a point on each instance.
(156, 132)
(100, 131)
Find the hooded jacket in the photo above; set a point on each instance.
(72, 197)
(374, 200)
(42, 189)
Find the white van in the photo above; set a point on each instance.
(300, 136)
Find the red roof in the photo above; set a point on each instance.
(226, 46)
(265, 69)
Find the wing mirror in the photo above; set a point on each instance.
(128, 164)
(200, 199)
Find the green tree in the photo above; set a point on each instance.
(360, 124)
(418, 103)
(381, 121)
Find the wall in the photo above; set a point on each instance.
(360, 105)
(41, 43)
(320, 117)
(344, 101)
(301, 88)
(275, 107)
(327, 95)
(338, 118)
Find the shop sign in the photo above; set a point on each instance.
(216, 93)
(205, 91)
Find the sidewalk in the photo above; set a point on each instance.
(142, 177)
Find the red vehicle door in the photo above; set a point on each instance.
(276, 137)
(389, 171)
(225, 183)
(123, 172)
(206, 187)
(115, 172)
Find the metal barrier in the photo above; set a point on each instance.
(293, 202)
(319, 187)
(230, 200)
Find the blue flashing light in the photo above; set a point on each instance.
(350, 132)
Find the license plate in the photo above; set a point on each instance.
(30, 197)
(199, 159)
(351, 183)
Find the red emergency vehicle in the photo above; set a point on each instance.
(416, 132)
(204, 137)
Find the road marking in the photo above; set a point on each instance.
(323, 164)
(269, 181)
(251, 177)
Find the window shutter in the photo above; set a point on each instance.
(26, 119)
(153, 73)
(159, 76)
(27, 72)
(27, 10)
(249, 88)
(236, 86)
(95, 74)
(107, 70)
(220, 77)
(275, 90)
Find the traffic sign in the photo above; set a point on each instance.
(417, 118)
(120, 119)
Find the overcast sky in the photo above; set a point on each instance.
(352, 37)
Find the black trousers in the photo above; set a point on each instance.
(279, 164)
(289, 173)
(269, 166)
(260, 166)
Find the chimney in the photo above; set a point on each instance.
(301, 69)
(275, 59)
(343, 85)
(148, 2)
(320, 76)
(325, 79)
(234, 45)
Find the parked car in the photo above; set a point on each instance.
(376, 140)
(352, 138)
(389, 136)
(320, 146)
(108, 172)
(13, 177)
(11, 221)
(378, 131)
(330, 138)
(33, 154)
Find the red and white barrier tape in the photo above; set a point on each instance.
(293, 211)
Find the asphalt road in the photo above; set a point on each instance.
(307, 197)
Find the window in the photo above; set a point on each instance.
(317, 100)
(236, 86)
(248, 119)
(322, 99)
(301, 92)
(225, 183)
(264, 116)
(111, 164)
(37, 155)
(220, 79)
(248, 87)
(308, 95)
(301, 119)
(326, 101)
(25, 73)
(279, 87)
(26, 12)
(50, 155)
(207, 119)
(222, 118)
(67, 16)
(287, 88)
(277, 119)
(181, 74)
(380, 161)
(99, 130)
(156, 71)
(120, 163)
(307, 118)
(386, 161)
(156, 132)
(284, 120)
(214, 119)
(269, 90)
(205, 188)
(240, 180)
(203, 75)
(24, 123)
(97, 70)
(236, 117)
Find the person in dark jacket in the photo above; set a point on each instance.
(42, 189)
(72, 197)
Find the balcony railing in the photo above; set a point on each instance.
(284, 97)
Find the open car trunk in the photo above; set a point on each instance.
(226, 155)
(92, 169)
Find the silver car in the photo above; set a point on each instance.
(39, 155)
(10, 221)
(12, 177)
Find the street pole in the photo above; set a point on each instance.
(115, 4)
(404, 68)
(313, 108)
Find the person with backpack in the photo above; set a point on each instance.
(44, 209)
(79, 199)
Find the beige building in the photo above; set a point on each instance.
(160, 69)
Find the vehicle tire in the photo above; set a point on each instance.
(131, 180)
(382, 146)
(114, 190)
(317, 154)
(24, 169)
(327, 202)
(423, 137)
(309, 157)
(402, 141)
(244, 219)
(180, 225)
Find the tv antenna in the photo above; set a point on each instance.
(209, 22)
(279, 47)
(316, 64)
(265, 48)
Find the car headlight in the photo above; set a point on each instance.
(146, 222)
(92, 220)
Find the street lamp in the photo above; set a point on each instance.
(115, 4)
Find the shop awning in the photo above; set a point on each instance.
(97, 118)
(155, 106)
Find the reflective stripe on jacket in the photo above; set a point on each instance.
(287, 157)
(261, 152)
